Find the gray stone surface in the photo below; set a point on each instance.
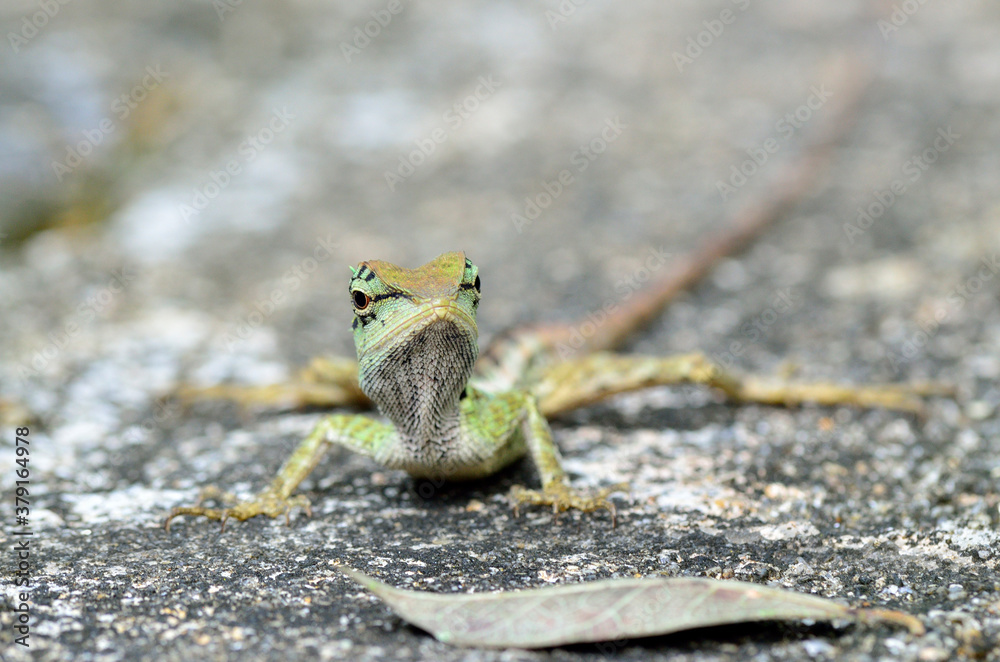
(867, 507)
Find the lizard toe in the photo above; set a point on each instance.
(561, 498)
(267, 503)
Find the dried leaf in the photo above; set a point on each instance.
(606, 610)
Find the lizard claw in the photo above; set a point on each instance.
(266, 503)
(562, 497)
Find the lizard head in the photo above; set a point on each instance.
(416, 335)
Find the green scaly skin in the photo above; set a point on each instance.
(417, 341)
(451, 418)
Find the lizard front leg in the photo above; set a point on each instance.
(579, 382)
(357, 433)
(555, 491)
(326, 382)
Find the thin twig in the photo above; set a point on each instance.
(797, 180)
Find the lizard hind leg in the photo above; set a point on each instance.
(579, 382)
(325, 382)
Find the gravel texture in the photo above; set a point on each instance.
(249, 155)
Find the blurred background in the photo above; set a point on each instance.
(183, 185)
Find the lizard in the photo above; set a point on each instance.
(451, 418)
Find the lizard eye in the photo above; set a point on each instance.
(361, 300)
(477, 284)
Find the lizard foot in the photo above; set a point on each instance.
(268, 503)
(562, 497)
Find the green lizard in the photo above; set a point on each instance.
(451, 418)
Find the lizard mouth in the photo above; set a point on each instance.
(437, 311)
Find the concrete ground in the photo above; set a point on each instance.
(166, 168)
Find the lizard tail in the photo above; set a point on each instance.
(851, 78)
